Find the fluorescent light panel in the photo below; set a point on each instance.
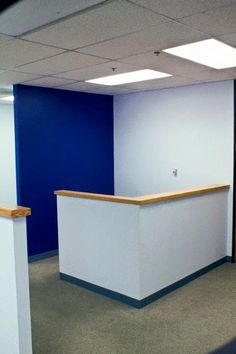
(209, 52)
(7, 98)
(125, 78)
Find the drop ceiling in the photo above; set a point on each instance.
(62, 43)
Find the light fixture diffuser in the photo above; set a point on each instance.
(7, 98)
(209, 52)
(125, 78)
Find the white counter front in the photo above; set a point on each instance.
(140, 250)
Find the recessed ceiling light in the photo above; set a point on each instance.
(7, 98)
(134, 76)
(209, 52)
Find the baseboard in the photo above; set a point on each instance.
(149, 299)
(182, 282)
(100, 290)
(44, 255)
(229, 259)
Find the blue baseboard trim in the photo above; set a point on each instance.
(183, 282)
(40, 256)
(144, 302)
(100, 290)
(229, 259)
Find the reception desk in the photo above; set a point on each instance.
(137, 249)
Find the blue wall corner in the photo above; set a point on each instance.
(64, 140)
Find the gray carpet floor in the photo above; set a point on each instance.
(195, 319)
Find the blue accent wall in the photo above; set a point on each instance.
(64, 140)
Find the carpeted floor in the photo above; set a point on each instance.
(195, 319)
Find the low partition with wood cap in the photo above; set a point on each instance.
(137, 249)
(15, 319)
(14, 211)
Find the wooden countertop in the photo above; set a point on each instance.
(14, 211)
(146, 199)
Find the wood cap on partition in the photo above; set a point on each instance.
(14, 211)
(146, 199)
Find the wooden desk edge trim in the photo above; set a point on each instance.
(15, 212)
(94, 196)
(146, 199)
(181, 194)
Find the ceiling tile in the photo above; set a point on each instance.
(229, 39)
(59, 63)
(160, 83)
(164, 62)
(12, 77)
(80, 86)
(111, 20)
(27, 14)
(182, 8)
(217, 22)
(102, 90)
(48, 81)
(158, 37)
(4, 39)
(100, 70)
(213, 75)
(18, 52)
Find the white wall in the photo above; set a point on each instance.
(7, 155)
(189, 128)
